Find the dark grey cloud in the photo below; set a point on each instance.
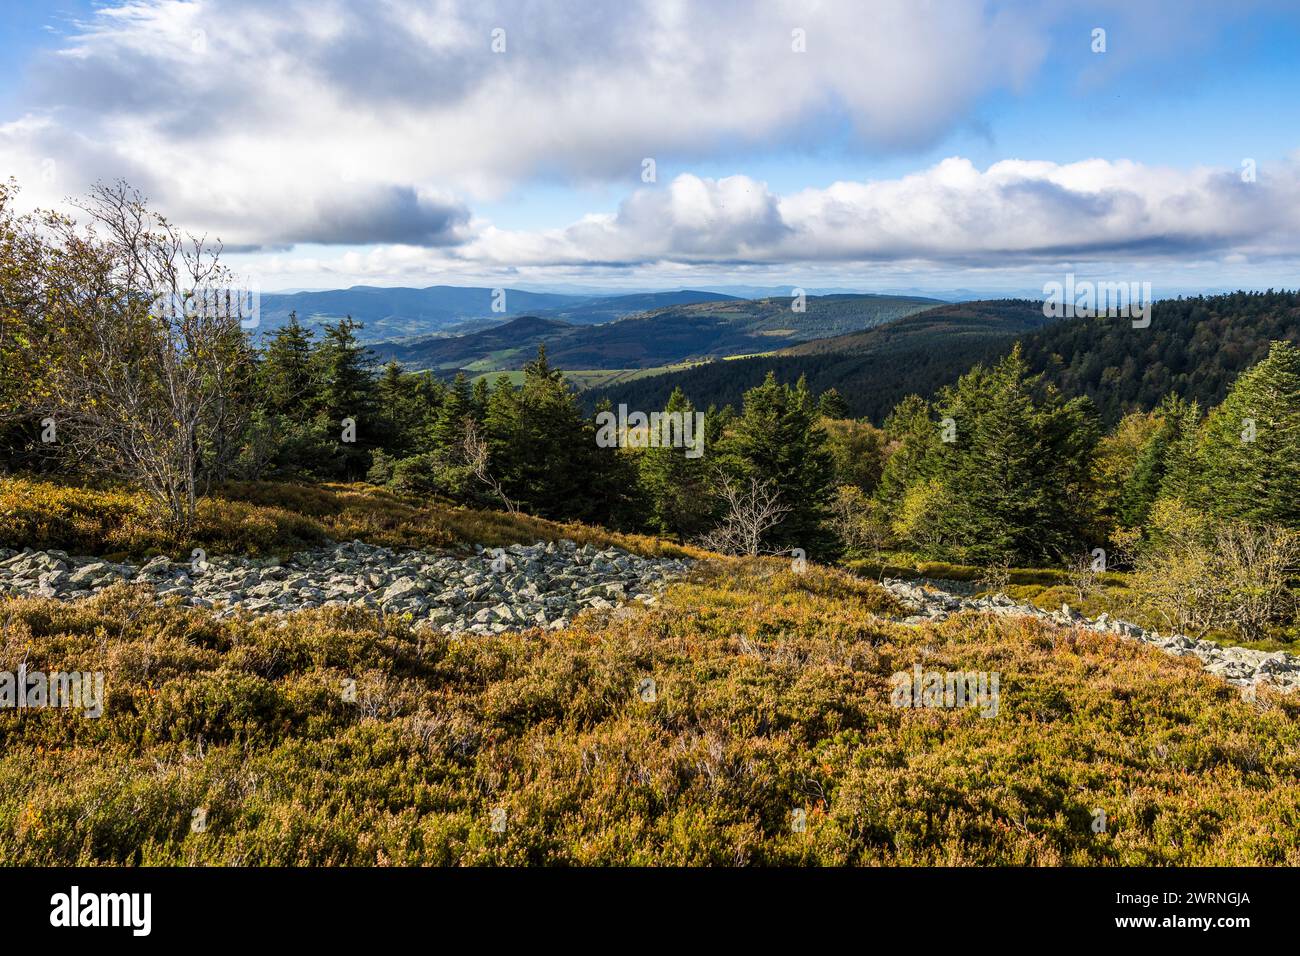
(394, 214)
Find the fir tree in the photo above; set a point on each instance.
(1250, 445)
(777, 439)
(285, 373)
(676, 486)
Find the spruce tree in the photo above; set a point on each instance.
(832, 405)
(550, 452)
(1140, 491)
(777, 439)
(1015, 477)
(401, 410)
(344, 389)
(457, 405)
(285, 372)
(912, 437)
(479, 399)
(676, 486)
(344, 377)
(1250, 445)
(1183, 478)
(502, 433)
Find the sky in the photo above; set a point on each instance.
(881, 145)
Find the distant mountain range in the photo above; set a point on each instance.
(392, 314)
(635, 348)
(665, 336)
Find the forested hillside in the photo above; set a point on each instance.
(1194, 348)
(666, 336)
(873, 369)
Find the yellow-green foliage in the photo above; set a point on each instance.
(772, 693)
(943, 570)
(273, 518)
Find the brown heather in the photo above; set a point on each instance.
(772, 693)
(264, 518)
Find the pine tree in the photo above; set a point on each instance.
(777, 439)
(285, 372)
(832, 405)
(1250, 445)
(676, 486)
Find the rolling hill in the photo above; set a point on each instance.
(873, 368)
(395, 314)
(662, 337)
(613, 308)
(1194, 347)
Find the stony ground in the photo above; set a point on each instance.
(519, 587)
(1237, 665)
(515, 588)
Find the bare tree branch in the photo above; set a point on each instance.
(752, 509)
(477, 457)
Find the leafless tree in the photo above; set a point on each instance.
(753, 508)
(477, 456)
(149, 382)
(1083, 575)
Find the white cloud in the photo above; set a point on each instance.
(380, 123)
(951, 212)
(253, 119)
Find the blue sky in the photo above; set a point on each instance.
(933, 146)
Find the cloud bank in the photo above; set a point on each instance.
(383, 124)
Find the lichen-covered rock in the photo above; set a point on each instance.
(498, 589)
(1237, 665)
